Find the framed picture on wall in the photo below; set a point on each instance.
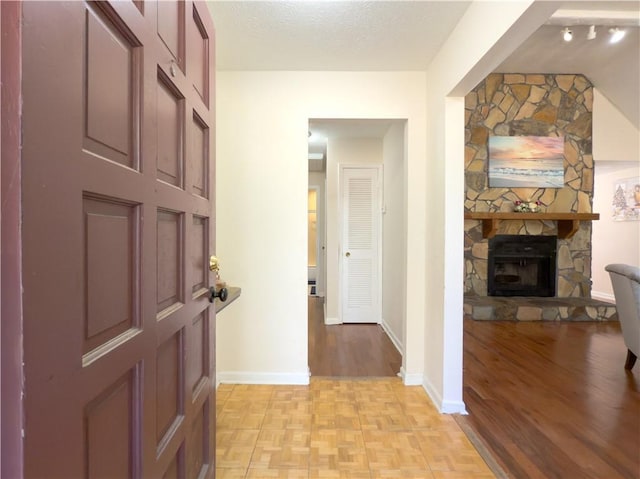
(526, 162)
(626, 200)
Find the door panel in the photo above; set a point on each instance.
(198, 165)
(199, 247)
(199, 57)
(197, 369)
(170, 118)
(118, 333)
(169, 262)
(110, 84)
(111, 253)
(109, 419)
(198, 443)
(169, 390)
(361, 236)
(171, 27)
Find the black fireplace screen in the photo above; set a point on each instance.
(522, 265)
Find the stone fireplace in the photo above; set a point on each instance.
(530, 105)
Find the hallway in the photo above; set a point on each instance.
(349, 350)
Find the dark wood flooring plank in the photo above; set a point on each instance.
(349, 350)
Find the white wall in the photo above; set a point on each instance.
(612, 241)
(394, 258)
(261, 223)
(615, 138)
(342, 151)
(616, 153)
(262, 123)
(487, 33)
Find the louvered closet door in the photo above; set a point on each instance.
(360, 252)
(118, 227)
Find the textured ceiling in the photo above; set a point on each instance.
(359, 35)
(331, 35)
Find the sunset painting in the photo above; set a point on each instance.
(526, 162)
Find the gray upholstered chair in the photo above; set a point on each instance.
(626, 289)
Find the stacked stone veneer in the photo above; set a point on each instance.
(530, 105)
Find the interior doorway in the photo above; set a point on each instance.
(313, 240)
(336, 348)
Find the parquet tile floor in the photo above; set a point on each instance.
(339, 429)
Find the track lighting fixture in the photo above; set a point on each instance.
(567, 34)
(616, 35)
(592, 32)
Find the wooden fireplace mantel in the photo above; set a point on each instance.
(568, 223)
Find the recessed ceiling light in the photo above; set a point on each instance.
(567, 34)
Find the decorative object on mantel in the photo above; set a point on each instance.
(526, 206)
(626, 200)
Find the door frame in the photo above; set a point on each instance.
(11, 419)
(378, 263)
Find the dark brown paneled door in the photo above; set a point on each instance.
(118, 226)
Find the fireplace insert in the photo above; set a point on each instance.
(522, 265)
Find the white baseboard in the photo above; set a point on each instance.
(453, 407)
(412, 379)
(445, 407)
(331, 321)
(246, 377)
(608, 297)
(394, 339)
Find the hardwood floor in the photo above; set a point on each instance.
(553, 400)
(349, 350)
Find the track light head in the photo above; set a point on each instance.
(591, 35)
(567, 34)
(616, 35)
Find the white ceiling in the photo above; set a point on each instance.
(360, 35)
(325, 129)
(351, 128)
(347, 35)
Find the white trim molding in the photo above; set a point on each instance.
(445, 407)
(608, 297)
(411, 379)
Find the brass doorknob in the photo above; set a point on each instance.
(347, 254)
(214, 264)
